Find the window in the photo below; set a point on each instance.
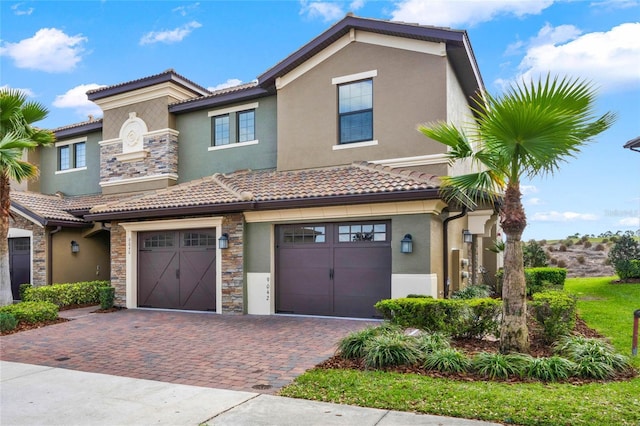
(80, 154)
(362, 232)
(355, 111)
(159, 241)
(304, 234)
(72, 155)
(233, 126)
(246, 126)
(221, 130)
(64, 158)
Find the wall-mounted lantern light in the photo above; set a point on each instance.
(75, 247)
(223, 241)
(406, 244)
(467, 236)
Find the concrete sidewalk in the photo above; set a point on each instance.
(40, 395)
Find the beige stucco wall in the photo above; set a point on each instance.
(460, 114)
(155, 114)
(409, 89)
(90, 263)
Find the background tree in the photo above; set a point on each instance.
(17, 134)
(622, 255)
(533, 255)
(526, 132)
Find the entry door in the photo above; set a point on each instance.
(176, 269)
(19, 264)
(334, 269)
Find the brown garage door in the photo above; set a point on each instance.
(177, 269)
(334, 269)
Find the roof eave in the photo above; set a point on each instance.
(216, 101)
(45, 221)
(78, 130)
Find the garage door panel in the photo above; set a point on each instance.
(157, 283)
(198, 280)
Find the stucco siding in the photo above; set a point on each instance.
(155, 114)
(92, 262)
(197, 160)
(408, 89)
(74, 182)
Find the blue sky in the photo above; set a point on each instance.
(57, 50)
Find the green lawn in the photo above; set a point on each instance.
(605, 307)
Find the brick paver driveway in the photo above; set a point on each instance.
(248, 353)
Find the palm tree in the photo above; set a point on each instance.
(16, 135)
(526, 132)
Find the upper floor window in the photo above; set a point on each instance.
(221, 130)
(72, 155)
(233, 125)
(355, 110)
(246, 126)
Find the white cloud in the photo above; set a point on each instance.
(608, 59)
(18, 10)
(464, 13)
(184, 10)
(328, 11)
(615, 4)
(229, 83)
(533, 201)
(27, 92)
(76, 98)
(50, 50)
(356, 4)
(528, 189)
(170, 36)
(554, 216)
(629, 221)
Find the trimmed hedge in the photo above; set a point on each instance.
(67, 294)
(540, 279)
(469, 318)
(555, 311)
(31, 312)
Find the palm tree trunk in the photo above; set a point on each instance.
(6, 298)
(514, 334)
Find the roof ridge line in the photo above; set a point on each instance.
(421, 176)
(225, 183)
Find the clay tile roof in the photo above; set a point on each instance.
(94, 121)
(57, 208)
(260, 186)
(220, 92)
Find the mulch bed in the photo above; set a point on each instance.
(538, 348)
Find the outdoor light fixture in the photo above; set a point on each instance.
(467, 236)
(406, 244)
(223, 241)
(75, 247)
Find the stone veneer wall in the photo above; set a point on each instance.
(162, 159)
(119, 264)
(233, 288)
(38, 248)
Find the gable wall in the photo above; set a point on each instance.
(410, 88)
(155, 114)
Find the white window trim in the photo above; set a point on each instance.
(354, 77)
(70, 142)
(355, 145)
(233, 145)
(229, 110)
(76, 169)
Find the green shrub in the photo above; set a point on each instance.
(106, 296)
(8, 322)
(594, 358)
(533, 255)
(419, 296)
(433, 315)
(388, 349)
(447, 361)
(67, 294)
(23, 289)
(550, 369)
(541, 279)
(555, 311)
(500, 366)
(472, 292)
(483, 318)
(625, 250)
(433, 342)
(353, 345)
(628, 269)
(32, 312)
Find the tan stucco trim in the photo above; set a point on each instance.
(70, 141)
(169, 176)
(238, 108)
(168, 89)
(339, 212)
(146, 135)
(131, 254)
(422, 160)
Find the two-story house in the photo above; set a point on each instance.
(308, 191)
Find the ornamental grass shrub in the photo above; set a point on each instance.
(391, 349)
(594, 358)
(550, 369)
(500, 366)
(447, 360)
(8, 322)
(353, 345)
